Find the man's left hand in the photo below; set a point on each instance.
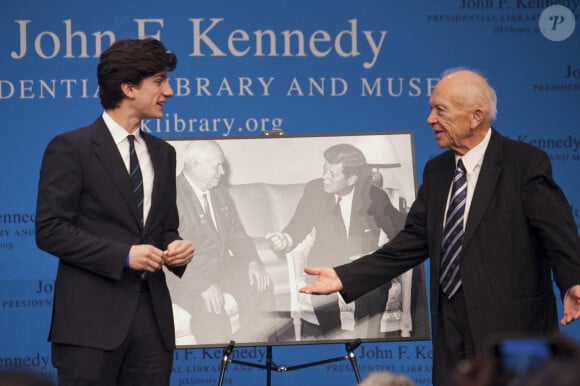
(178, 253)
(258, 277)
(571, 305)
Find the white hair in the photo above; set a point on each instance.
(485, 96)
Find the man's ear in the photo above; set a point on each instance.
(476, 117)
(352, 179)
(128, 89)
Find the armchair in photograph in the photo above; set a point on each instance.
(182, 321)
(397, 314)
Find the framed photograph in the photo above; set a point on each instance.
(259, 210)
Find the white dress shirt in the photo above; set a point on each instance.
(120, 137)
(472, 161)
(345, 208)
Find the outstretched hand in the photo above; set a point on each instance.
(571, 305)
(327, 281)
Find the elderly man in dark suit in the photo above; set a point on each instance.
(345, 214)
(494, 236)
(106, 208)
(226, 263)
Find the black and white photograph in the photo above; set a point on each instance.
(259, 210)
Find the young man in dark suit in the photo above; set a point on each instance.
(106, 208)
(516, 229)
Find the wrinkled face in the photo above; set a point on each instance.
(450, 119)
(208, 170)
(150, 96)
(334, 180)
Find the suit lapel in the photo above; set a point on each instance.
(359, 210)
(108, 153)
(333, 217)
(443, 177)
(220, 211)
(159, 168)
(191, 208)
(218, 208)
(194, 205)
(485, 188)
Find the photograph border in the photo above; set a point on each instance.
(259, 170)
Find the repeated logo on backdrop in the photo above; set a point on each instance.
(15, 228)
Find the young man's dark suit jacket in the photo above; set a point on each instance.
(519, 228)
(87, 217)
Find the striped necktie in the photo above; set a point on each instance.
(453, 233)
(338, 212)
(135, 176)
(206, 209)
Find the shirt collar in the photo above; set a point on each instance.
(117, 131)
(474, 157)
(196, 190)
(346, 197)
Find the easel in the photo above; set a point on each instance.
(270, 365)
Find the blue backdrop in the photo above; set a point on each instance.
(307, 67)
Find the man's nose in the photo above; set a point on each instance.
(431, 118)
(167, 90)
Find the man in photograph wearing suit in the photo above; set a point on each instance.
(226, 261)
(494, 236)
(346, 213)
(106, 208)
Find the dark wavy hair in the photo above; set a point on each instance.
(130, 61)
(352, 159)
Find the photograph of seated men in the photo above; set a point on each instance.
(344, 216)
(225, 293)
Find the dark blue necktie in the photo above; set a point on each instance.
(453, 233)
(135, 176)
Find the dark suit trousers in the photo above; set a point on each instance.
(141, 360)
(455, 341)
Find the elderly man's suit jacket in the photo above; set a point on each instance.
(519, 230)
